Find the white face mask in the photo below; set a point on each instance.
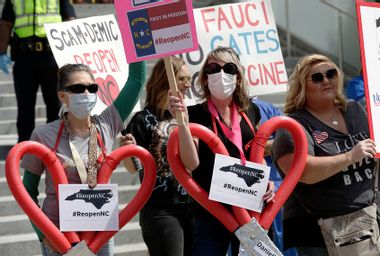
(81, 104)
(222, 85)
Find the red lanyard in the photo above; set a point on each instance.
(234, 134)
(101, 158)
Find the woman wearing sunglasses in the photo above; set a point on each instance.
(79, 139)
(229, 113)
(338, 178)
(166, 219)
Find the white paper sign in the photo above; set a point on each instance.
(235, 184)
(85, 209)
(369, 35)
(97, 43)
(250, 29)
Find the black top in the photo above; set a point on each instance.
(152, 133)
(66, 10)
(199, 114)
(345, 192)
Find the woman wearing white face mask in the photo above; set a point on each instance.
(228, 112)
(80, 140)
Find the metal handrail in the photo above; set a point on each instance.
(339, 10)
(340, 29)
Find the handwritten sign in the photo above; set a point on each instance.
(369, 36)
(96, 42)
(250, 29)
(154, 29)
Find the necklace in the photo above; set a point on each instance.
(333, 120)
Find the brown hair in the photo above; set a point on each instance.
(158, 85)
(64, 73)
(296, 95)
(226, 54)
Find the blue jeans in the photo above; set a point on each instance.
(312, 251)
(212, 238)
(106, 250)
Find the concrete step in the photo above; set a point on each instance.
(9, 126)
(6, 86)
(9, 99)
(10, 113)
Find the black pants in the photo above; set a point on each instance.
(211, 238)
(29, 72)
(167, 230)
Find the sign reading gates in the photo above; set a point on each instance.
(250, 29)
(369, 36)
(85, 209)
(239, 185)
(153, 29)
(96, 42)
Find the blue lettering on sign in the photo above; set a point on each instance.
(141, 33)
(376, 99)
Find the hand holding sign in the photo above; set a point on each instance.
(241, 216)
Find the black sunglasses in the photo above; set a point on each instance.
(318, 77)
(229, 68)
(81, 88)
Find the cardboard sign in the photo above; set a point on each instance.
(250, 29)
(96, 42)
(85, 209)
(369, 35)
(239, 185)
(154, 29)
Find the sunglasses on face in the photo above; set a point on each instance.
(229, 68)
(81, 88)
(184, 79)
(318, 77)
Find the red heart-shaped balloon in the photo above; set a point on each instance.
(287, 186)
(54, 167)
(95, 240)
(242, 216)
(192, 187)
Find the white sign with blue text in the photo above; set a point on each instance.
(240, 185)
(85, 209)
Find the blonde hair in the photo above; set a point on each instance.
(296, 95)
(226, 54)
(158, 85)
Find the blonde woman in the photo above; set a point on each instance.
(338, 177)
(226, 110)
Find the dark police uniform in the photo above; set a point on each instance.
(34, 61)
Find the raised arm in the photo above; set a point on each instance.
(132, 89)
(187, 145)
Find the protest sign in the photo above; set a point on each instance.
(240, 185)
(96, 42)
(369, 36)
(154, 29)
(250, 29)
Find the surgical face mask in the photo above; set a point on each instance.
(221, 85)
(81, 104)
